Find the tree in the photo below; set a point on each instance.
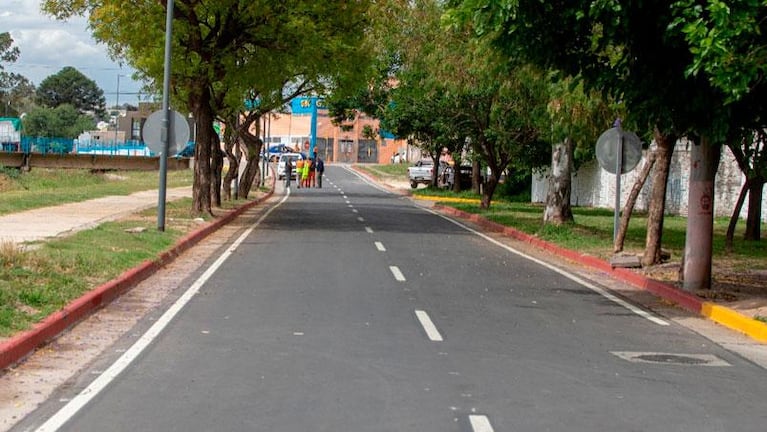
(727, 42)
(16, 91)
(576, 117)
(64, 121)
(726, 39)
(71, 87)
(631, 51)
(226, 43)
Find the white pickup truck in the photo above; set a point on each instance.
(420, 172)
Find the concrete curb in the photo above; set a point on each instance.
(25, 343)
(722, 315)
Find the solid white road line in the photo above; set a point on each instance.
(380, 247)
(369, 230)
(641, 312)
(428, 326)
(397, 273)
(99, 384)
(480, 423)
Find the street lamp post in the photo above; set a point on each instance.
(117, 107)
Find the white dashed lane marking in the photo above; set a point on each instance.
(480, 423)
(397, 273)
(380, 247)
(428, 326)
(369, 230)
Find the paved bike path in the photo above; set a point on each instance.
(43, 223)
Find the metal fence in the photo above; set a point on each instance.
(47, 145)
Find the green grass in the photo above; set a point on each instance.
(37, 282)
(759, 317)
(43, 187)
(386, 171)
(592, 231)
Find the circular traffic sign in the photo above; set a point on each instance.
(178, 131)
(607, 150)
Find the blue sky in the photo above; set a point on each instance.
(48, 45)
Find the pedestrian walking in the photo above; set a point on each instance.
(305, 174)
(288, 172)
(313, 171)
(320, 171)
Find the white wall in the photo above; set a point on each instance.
(595, 187)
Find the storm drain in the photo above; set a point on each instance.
(671, 358)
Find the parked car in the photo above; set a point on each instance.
(187, 151)
(275, 151)
(421, 171)
(293, 157)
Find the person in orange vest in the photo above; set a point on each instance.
(299, 171)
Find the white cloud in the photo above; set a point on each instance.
(48, 45)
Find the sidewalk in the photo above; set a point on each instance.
(40, 224)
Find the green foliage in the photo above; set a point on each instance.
(726, 40)
(625, 50)
(70, 87)
(16, 91)
(516, 187)
(64, 121)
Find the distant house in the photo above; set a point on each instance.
(10, 133)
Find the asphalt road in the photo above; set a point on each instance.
(350, 309)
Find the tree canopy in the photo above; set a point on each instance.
(64, 121)
(227, 51)
(16, 91)
(70, 87)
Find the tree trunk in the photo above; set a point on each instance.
(753, 220)
(631, 201)
(203, 114)
(665, 149)
(488, 191)
(735, 216)
(216, 168)
(558, 210)
(435, 171)
(230, 142)
(253, 145)
(704, 162)
(476, 176)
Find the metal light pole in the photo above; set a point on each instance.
(165, 128)
(117, 108)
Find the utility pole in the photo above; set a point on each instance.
(117, 108)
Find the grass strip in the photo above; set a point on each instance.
(39, 188)
(34, 283)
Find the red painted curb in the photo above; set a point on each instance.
(23, 344)
(685, 300)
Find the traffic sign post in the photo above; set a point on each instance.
(618, 152)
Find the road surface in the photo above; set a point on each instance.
(348, 308)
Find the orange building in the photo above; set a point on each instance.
(356, 141)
